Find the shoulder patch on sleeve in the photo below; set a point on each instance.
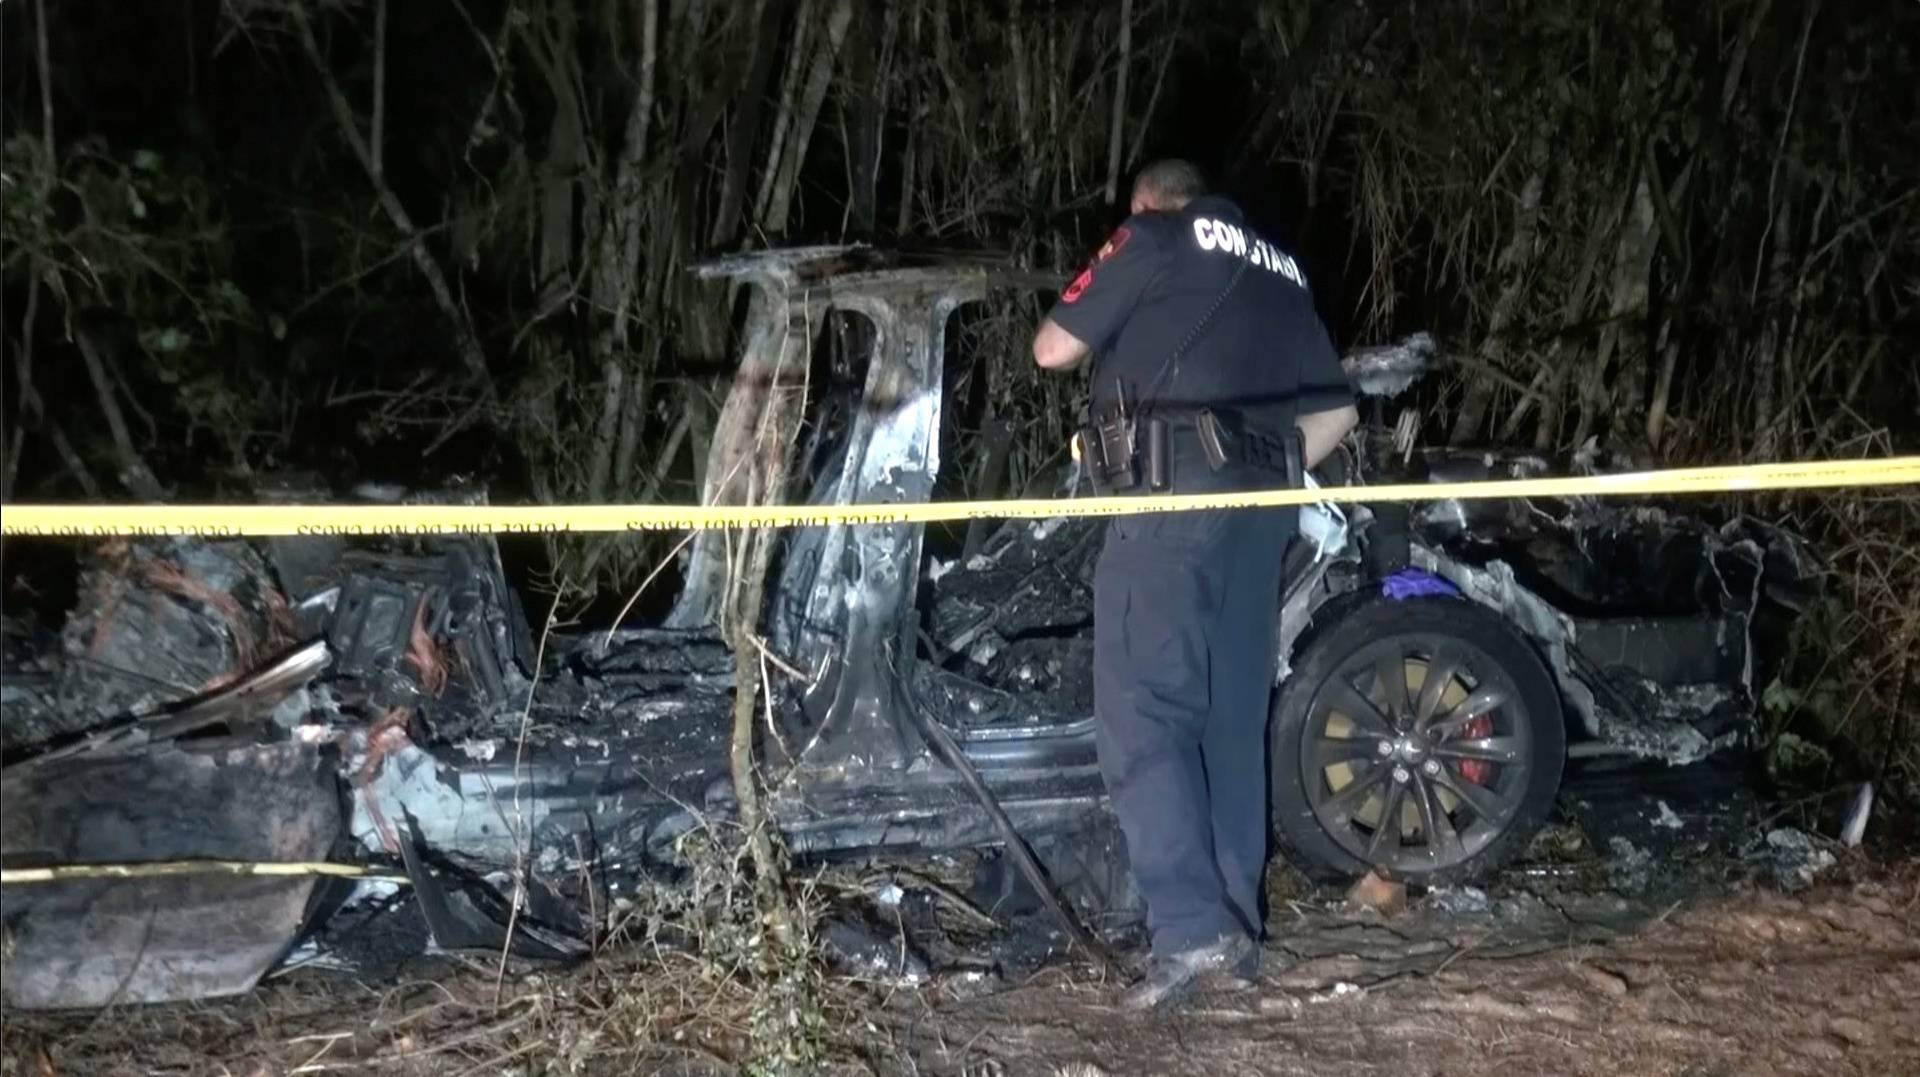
(1113, 244)
(1078, 286)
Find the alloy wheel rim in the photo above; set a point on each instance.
(1416, 753)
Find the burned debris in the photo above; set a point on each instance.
(93, 942)
(385, 701)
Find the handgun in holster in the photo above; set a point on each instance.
(1226, 438)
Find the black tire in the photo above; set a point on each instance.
(1446, 754)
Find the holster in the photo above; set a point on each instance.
(1120, 453)
(1227, 438)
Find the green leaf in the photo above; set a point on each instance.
(164, 341)
(1779, 698)
(233, 301)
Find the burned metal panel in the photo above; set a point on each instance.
(928, 807)
(1680, 723)
(93, 942)
(892, 451)
(895, 454)
(856, 621)
(780, 317)
(1389, 370)
(1667, 650)
(280, 691)
(792, 289)
(561, 799)
(158, 622)
(438, 630)
(1015, 619)
(1646, 614)
(30, 712)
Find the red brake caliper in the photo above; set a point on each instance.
(1477, 771)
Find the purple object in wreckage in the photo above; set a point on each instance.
(1416, 583)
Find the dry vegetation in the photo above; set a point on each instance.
(687, 979)
(1664, 235)
(1660, 236)
(1753, 982)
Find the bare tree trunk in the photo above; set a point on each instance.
(1669, 349)
(1628, 326)
(1534, 395)
(1023, 101)
(1554, 397)
(699, 439)
(807, 113)
(1668, 344)
(769, 872)
(744, 125)
(133, 470)
(943, 62)
(613, 391)
(1119, 115)
(465, 342)
(1167, 49)
(670, 449)
(565, 161)
(1633, 258)
(769, 440)
(867, 75)
(33, 410)
(903, 218)
(377, 139)
(633, 419)
(783, 118)
(616, 268)
(916, 110)
(30, 404)
(1766, 378)
(1516, 261)
(1768, 355)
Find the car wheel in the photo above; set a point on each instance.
(1421, 739)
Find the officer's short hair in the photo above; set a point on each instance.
(1170, 181)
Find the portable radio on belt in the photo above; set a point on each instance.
(1109, 457)
(1109, 444)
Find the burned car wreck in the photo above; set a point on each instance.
(387, 701)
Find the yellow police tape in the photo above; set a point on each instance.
(415, 519)
(171, 868)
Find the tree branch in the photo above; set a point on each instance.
(377, 141)
(465, 342)
(1119, 102)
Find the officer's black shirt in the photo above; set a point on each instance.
(1265, 351)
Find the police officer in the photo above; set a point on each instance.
(1209, 372)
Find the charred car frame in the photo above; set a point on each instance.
(1440, 663)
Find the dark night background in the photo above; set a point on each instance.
(1666, 233)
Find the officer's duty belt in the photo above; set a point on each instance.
(1123, 454)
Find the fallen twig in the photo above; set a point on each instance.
(780, 663)
(522, 833)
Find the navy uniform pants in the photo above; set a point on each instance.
(1186, 607)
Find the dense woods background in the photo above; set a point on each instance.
(409, 239)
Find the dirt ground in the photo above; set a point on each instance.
(1757, 983)
(1753, 981)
